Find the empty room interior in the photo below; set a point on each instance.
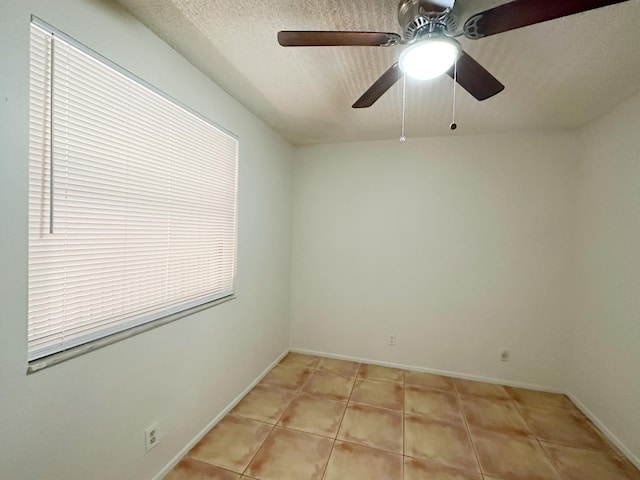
(439, 281)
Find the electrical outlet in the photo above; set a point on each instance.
(505, 355)
(151, 437)
(392, 340)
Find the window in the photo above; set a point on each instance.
(132, 200)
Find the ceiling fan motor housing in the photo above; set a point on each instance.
(419, 17)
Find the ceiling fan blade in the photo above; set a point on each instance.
(521, 13)
(475, 79)
(379, 87)
(296, 38)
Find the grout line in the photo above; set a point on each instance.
(548, 457)
(468, 430)
(348, 402)
(299, 391)
(335, 439)
(297, 394)
(273, 427)
(520, 408)
(326, 465)
(577, 447)
(284, 410)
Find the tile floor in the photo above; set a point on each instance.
(317, 418)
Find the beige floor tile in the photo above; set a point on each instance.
(500, 416)
(376, 372)
(314, 414)
(354, 462)
(438, 442)
(291, 455)
(579, 464)
(415, 469)
(563, 427)
(428, 380)
(537, 399)
(343, 367)
(377, 393)
(264, 403)
(291, 377)
(300, 359)
(512, 458)
(190, 469)
(435, 404)
(329, 385)
(629, 468)
(376, 419)
(232, 443)
(480, 389)
(372, 427)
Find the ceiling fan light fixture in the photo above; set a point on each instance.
(429, 57)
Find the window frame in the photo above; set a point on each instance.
(42, 362)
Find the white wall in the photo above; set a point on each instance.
(460, 246)
(457, 245)
(604, 353)
(84, 419)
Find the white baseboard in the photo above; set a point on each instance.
(174, 461)
(604, 430)
(463, 376)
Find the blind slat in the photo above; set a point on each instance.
(143, 196)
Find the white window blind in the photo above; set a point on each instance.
(132, 200)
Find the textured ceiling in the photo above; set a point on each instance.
(559, 74)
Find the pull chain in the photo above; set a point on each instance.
(453, 125)
(404, 99)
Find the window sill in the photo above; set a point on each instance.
(56, 358)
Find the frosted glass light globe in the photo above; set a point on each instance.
(429, 58)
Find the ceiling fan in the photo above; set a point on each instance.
(429, 29)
